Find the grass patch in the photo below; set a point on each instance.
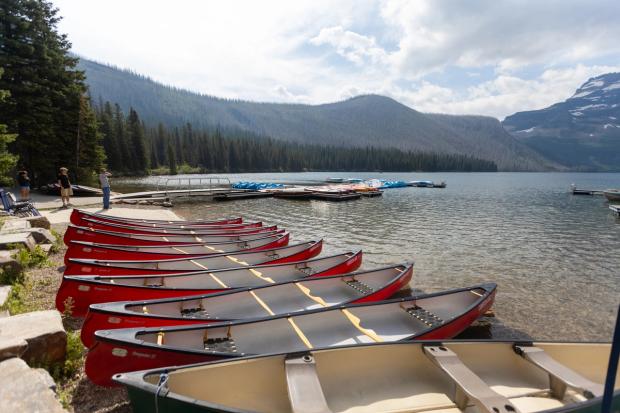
(31, 259)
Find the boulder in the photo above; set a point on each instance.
(8, 241)
(38, 222)
(42, 330)
(23, 389)
(12, 347)
(15, 225)
(5, 290)
(42, 235)
(8, 263)
(46, 378)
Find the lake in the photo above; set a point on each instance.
(553, 255)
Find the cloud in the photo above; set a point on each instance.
(508, 56)
(352, 46)
(503, 95)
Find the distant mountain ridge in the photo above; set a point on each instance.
(369, 120)
(583, 132)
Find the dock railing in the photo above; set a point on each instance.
(173, 184)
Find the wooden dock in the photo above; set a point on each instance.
(615, 209)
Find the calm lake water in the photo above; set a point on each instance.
(554, 256)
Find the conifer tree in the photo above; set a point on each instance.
(139, 157)
(7, 159)
(172, 160)
(46, 102)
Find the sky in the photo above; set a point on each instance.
(487, 57)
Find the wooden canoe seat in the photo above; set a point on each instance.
(304, 389)
(468, 386)
(423, 315)
(359, 286)
(560, 376)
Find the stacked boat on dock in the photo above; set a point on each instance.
(283, 329)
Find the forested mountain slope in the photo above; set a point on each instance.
(360, 121)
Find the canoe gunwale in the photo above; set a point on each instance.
(122, 305)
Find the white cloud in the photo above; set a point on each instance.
(352, 46)
(277, 50)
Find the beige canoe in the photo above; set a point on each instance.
(448, 377)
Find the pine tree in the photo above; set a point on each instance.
(47, 91)
(7, 159)
(139, 157)
(91, 155)
(172, 160)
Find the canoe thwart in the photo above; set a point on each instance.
(304, 389)
(468, 386)
(560, 376)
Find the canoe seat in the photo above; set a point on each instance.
(304, 389)
(273, 256)
(220, 344)
(305, 269)
(423, 315)
(560, 376)
(468, 386)
(359, 286)
(196, 312)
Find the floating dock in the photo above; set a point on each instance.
(579, 191)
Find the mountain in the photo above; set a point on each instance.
(583, 132)
(369, 120)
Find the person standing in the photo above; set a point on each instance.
(24, 185)
(105, 187)
(65, 187)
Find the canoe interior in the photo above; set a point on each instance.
(388, 322)
(390, 378)
(234, 277)
(280, 299)
(221, 261)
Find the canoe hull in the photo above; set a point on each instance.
(112, 252)
(103, 319)
(109, 237)
(78, 215)
(250, 228)
(102, 361)
(76, 294)
(107, 268)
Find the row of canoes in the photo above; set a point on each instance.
(156, 294)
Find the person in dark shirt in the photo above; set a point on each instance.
(24, 185)
(65, 187)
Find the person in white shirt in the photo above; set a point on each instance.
(105, 187)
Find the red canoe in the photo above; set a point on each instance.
(282, 298)
(213, 229)
(165, 250)
(435, 316)
(76, 293)
(77, 215)
(150, 262)
(74, 233)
